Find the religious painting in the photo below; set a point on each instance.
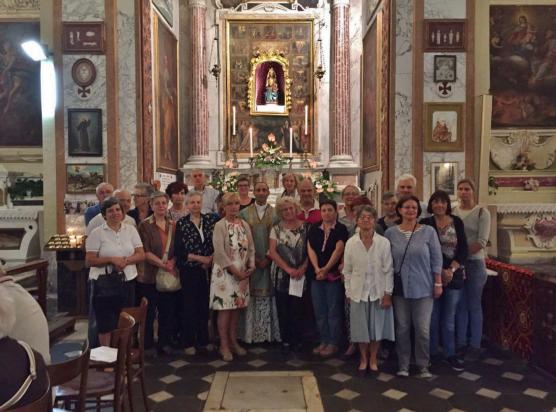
(445, 68)
(83, 37)
(444, 176)
(269, 84)
(370, 99)
(20, 87)
(84, 178)
(166, 98)
(522, 66)
(166, 9)
(443, 127)
(84, 132)
(444, 35)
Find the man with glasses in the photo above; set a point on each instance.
(103, 191)
(141, 195)
(198, 178)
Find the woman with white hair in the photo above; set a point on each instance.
(18, 386)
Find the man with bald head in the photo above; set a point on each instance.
(124, 199)
(103, 191)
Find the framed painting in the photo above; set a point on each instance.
(522, 76)
(20, 88)
(166, 9)
(370, 98)
(166, 98)
(445, 35)
(445, 68)
(84, 132)
(84, 178)
(269, 101)
(443, 127)
(444, 176)
(83, 37)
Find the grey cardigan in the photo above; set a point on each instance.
(477, 228)
(422, 261)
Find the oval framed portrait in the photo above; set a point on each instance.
(83, 72)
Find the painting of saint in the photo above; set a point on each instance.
(166, 88)
(523, 66)
(20, 92)
(445, 127)
(84, 132)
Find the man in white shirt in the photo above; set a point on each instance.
(124, 198)
(210, 194)
(30, 322)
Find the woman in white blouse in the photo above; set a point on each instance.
(368, 276)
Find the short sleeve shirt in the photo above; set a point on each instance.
(324, 246)
(109, 243)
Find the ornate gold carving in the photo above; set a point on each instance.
(258, 58)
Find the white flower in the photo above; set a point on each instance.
(318, 186)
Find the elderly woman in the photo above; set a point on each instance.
(176, 192)
(243, 191)
(193, 251)
(476, 220)
(417, 264)
(157, 234)
(453, 244)
(368, 276)
(234, 262)
(325, 248)
(289, 183)
(347, 215)
(288, 251)
(113, 250)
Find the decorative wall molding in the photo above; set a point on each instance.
(523, 149)
(526, 208)
(20, 7)
(542, 230)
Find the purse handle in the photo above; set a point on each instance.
(406, 247)
(26, 383)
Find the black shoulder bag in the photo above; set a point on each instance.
(398, 284)
(110, 284)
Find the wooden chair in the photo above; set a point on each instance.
(136, 358)
(110, 379)
(43, 404)
(61, 373)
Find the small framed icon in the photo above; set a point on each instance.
(83, 72)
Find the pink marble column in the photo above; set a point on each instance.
(199, 99)
(340, 111)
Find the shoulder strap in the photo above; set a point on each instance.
(168, 243)
(406, 247)
(26, 383)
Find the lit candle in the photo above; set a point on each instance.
(291, 142)
(306, 117)
(234, 121)
(73, 241)
(251, 141)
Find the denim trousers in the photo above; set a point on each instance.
(469, 314)
(328, 305)
(416, 313)
(443, 322)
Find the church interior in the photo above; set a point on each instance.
(346, 94)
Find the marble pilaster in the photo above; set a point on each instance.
(340, 85)
(199, 93)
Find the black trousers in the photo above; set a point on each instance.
(148, 290)
(290, 317)
(169, 306)
(195, 306)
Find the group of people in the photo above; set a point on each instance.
(299, 272)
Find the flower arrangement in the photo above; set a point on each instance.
(324, 185)
(224, 183)
(270, 155)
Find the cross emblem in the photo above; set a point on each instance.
(83, 92)
(445, 89)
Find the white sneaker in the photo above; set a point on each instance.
(424, 373)
(403, 373)
(191, 351)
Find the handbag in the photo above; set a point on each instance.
(110, 284)
(167, 281)
(398, 284)
(20, 393)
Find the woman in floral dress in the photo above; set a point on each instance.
(234, 261)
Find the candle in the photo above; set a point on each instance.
(291, 142)
(306, 117)
(73, 241)
(234, 121)
(251, 141)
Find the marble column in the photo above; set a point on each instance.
(199, 122)
(340, 112)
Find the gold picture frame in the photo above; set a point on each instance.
(443, 127)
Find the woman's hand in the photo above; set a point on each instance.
(447, 276)
(119, 263)
(386, 301)
(437, 291)
(474, 248)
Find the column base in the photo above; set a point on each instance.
(200, 161)
(342, 161)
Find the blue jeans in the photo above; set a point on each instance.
(443, 322)
(328, 306)
(469, 316)
(92, 332)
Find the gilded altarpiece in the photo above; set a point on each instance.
(292, 39)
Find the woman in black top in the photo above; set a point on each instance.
(325, 248)
(453, 242)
